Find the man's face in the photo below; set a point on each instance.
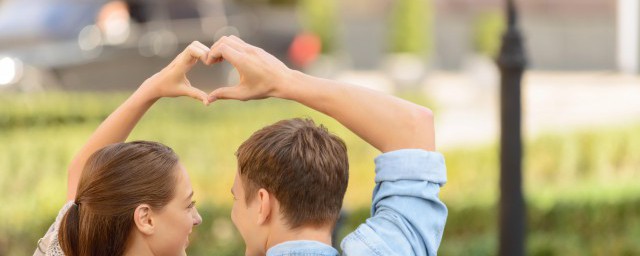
(245, 218)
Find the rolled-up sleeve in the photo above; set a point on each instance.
(407, 216)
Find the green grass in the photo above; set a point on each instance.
(580, 187)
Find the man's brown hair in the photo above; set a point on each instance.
(303, 165)
(116, 180)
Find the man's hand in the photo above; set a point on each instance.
(384, 121)
(172, 80)
(261, 74)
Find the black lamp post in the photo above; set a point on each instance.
(512, 62)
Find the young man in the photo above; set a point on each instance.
(292, 175)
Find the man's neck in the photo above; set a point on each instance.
(281, 234)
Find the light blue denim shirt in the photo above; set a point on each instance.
(407, 217)
(302, 248)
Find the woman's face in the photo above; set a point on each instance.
(175, 221)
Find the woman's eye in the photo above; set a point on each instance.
(192, 204)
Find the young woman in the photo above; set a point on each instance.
(130, 198)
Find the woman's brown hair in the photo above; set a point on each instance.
(116, 180)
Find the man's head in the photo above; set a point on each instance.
(292, 174)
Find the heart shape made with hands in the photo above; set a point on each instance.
(172, 81)
(261, 74)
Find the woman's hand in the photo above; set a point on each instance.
(172, 80)
(169, 82)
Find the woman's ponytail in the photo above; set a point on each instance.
(115, 180)
(68, 234)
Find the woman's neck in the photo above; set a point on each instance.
(136, 245)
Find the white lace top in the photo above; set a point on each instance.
(48, 245)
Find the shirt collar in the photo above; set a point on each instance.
(302, 247)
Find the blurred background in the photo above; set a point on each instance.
(66, 64)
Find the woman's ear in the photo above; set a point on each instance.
(143, 219)
(265, 204)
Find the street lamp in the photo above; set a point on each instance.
(512, 62)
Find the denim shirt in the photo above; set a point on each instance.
(302, 248)
(407, 217)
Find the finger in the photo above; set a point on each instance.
(228, 92)
(218, 42)
(235, 43)
(211, 57)
(204, 48)
(232, 41)
(238, 41)
(200, 45)
(239, 44)
(231, 55)
(216, 52)
(196, 94)
(189, 57)
(201, 51)
(213, 60)
(181, 56)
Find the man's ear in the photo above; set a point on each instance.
(265, 204)
(143, 219)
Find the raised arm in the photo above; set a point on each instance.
(407, 216)
(386, 122)
(169, 82)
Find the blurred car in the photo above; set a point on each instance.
(66, 44)
(40, 33)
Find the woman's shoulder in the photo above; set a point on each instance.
(48, 244)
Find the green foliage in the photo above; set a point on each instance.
(581, 191)
(282, 2)
(580, 186)
(567, 228)
(40, 133)
(54, 109)
(488, 27)
(270, 2)
(411, 27)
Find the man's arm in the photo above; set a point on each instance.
(386, 122)
(169, 82)
(407, 217)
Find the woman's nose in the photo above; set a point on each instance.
(196, 217)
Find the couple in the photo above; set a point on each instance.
(134, 198)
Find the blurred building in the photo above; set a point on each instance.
(560, 35)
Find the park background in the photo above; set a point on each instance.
(65, 65)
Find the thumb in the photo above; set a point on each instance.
(196, 94)
(228, 92)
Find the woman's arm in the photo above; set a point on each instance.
(169, 82)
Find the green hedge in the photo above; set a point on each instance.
(581, 186)
(565, 229)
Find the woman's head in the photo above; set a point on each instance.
(130, 195)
